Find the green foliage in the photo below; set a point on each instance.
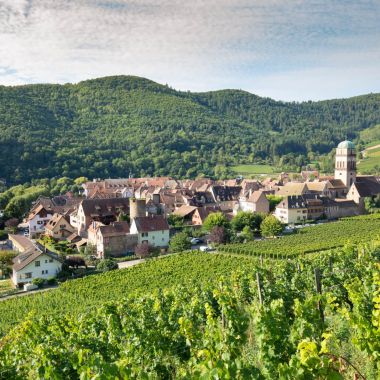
(38, 282)
(180, 242)
(213, 327)
(106, 265)
(109, 127)
(215, 219)
(3, 235)
(271, 226)
(246, 218)
(175, 220)
(247, 234)
(274, 200)
(313, 239)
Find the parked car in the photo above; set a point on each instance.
(195, 241)
(206, 248)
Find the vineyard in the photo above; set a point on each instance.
(77, 296)
(313, 239)
(219, 317)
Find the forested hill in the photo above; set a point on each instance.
(116, 126)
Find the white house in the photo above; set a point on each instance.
(37, 219)
(34, 264)
(292, 209)
(153, 230)
(256, 201)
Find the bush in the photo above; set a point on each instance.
(38, 281)
(3, 235)
(180, 242)
(218, 235)
(107, 265)
(143, 250)
(75, 261)
(51, 280)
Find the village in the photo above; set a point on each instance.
(114, 217)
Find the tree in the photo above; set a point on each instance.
(3, 235)
(175, 220)
(218, 235)
(11, 223)
(215, 219)
(107, 265)
(274, 200)
(6, 262)
(271, 226)
(246, 218)
(247, 234)
(75, 261)
(143, 250)
(180, 242)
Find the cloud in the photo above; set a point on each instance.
(197, 45)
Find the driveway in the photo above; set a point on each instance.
(131, 263)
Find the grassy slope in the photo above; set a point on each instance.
(252, 169)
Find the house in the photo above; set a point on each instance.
(201, 213)
(292, 209)
(153, 230)
(34, 264)
(363, 187)
(112, 240)
(255, 202)
(20, 243)
(340, 208)
(292, 188)
(59, 227)
(186, 212)
(225, 193)
(44, 209)
(98, 210)
(37, 219)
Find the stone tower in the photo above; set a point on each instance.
(345, 163)
(137, 208)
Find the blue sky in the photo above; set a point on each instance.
(284, 49)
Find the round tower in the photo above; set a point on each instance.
(136, 208)
(345, 163)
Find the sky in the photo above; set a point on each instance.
(291, 50)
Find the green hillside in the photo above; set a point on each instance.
(116, 126)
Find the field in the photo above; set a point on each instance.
(371, 160)
(77, 296)
(202, 326)
(253, 169)
(313, 239)
(370, 136)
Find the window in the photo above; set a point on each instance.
(50, 260)
(37, 263)
(62, 226)
(46, 261)
(40, 222)
(28, 275)
(45, 271)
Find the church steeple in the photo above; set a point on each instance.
(345, 163)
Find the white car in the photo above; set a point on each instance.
(206, 248)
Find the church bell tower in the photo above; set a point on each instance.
(345, 163)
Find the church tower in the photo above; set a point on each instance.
(345, 163)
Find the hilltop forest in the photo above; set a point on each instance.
(123, 125)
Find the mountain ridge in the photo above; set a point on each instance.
(120, 125)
